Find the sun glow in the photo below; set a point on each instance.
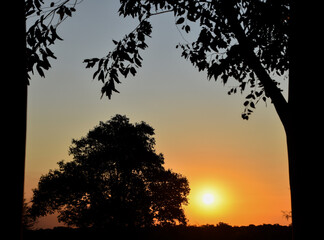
(208, 198)
(208, 203)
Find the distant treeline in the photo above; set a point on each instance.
(221, 231)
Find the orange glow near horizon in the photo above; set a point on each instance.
(242, 195)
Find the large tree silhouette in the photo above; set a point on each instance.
(116, 179)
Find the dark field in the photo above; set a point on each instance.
(219, 232)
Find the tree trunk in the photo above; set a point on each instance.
(304, 120)
(301, 115)
(305, 171)
(302, 175)
(13, 113)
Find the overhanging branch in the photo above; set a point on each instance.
(252, 60)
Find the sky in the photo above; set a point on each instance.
(198, 126)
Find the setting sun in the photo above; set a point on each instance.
(209, 201)
(208, 198)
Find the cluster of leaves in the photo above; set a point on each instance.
(217, 49)
(43, 32)
(115, 179)
(124, 59)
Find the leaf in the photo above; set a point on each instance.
(251, 95)
(258, 94)
(133, 71)
(124, 71)
(252, 105)
(138, 62)
(142, 45)
(180, 20)
(68, 12)
(101, 76)
(95, 73)
(225, 78)
(40, 70)
(187, 28)
(90, 62)
(50, 53)
(243, 84)
(30, 12)
(54, 34)
(245, 116)
(61, 12)
(100, 63)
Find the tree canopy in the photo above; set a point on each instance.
(42, 33)
(243, 39)
(115, 179)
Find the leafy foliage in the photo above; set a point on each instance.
(246, 40)
(124, 59)
(115, 179)
(43, 32)
(219, 50)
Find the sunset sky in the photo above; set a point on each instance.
(198, 127)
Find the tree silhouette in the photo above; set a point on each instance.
(115, 179)
(28, 221)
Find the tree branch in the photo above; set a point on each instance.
(157, 13)
(252, 60)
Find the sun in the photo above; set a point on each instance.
(208, 198)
